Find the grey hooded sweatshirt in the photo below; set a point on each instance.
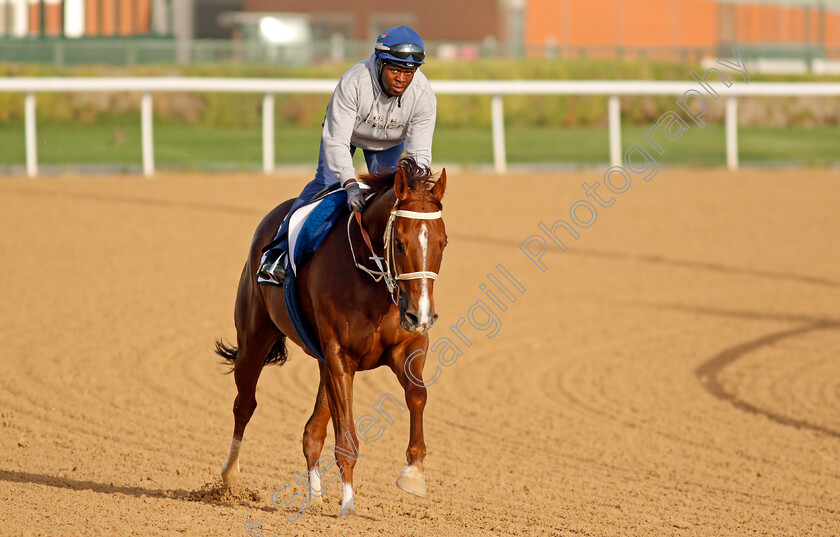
(362, 114)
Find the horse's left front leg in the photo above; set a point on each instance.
(409, 371)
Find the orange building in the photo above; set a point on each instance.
(50, 11)
(435, 20)
(88, 18)
(613, 25)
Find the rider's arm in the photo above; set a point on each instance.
(338, 128)
(421, 129)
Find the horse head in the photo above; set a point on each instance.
(417, 243)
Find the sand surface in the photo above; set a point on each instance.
(674, 372)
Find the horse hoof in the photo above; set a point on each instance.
(230, 477)
(412, 481)
(315, 500)
(349, 510)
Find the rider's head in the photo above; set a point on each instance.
(399, 51)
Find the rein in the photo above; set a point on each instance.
(385, 273)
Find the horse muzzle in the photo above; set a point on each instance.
(414, 321)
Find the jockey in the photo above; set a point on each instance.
(384, 106)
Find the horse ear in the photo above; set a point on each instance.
(400, 185)
(440, 186)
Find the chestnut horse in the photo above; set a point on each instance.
(361, 323)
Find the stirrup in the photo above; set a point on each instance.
(273, 271)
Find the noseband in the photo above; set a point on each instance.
(385, 273)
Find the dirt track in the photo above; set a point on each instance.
(675, 372)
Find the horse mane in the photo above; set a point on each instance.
(417, 177)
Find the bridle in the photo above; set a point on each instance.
(385, 273)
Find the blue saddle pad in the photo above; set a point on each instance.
(296, 316)
(318, 224)
(312, 234)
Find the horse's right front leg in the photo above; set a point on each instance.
(313, 438)
(339, 384)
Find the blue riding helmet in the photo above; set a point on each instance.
(400, 45)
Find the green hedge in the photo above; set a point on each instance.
(238, 110)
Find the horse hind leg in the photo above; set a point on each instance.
(248, 361)
(314, 435)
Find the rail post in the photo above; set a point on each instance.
(732, 133)
(268, 133)
(148, 144)
(498, 119)
(31, 141)
(614, 120)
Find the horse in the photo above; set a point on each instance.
(364, 318)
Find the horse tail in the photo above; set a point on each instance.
(277, 355)
(227, 352)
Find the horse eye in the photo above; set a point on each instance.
(398, 245)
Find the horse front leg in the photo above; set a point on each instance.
(409, 371)
(339, 383)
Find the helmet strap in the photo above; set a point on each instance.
(382, 64)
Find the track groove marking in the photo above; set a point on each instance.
(707, 373)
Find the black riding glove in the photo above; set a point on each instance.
(355, 198)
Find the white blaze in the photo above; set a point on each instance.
(424, 305)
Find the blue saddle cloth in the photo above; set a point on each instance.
(311, 235)
(318, 224)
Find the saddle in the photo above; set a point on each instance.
(308, 227)
(317, 197)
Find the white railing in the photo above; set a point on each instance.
(270, 87)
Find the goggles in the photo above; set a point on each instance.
(404, 51)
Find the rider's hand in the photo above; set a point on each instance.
(355, 198)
